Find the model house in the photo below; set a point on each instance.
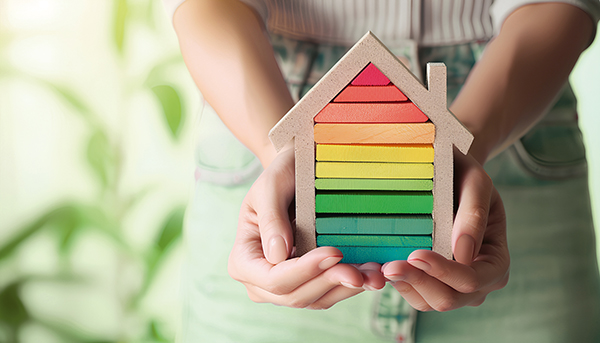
(374, 158)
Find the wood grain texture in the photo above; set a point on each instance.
(410, 153)
(374, 184)
(374, 241)
(374, 202)
(418, 133)
(375, 254)
(406, 224)
(370, 76)
(388, 93)
(360, 170)
(397, 112)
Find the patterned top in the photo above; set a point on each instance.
(427, 22)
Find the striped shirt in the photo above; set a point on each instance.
(427, 22)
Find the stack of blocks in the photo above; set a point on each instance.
(373, 172)
(374, 151)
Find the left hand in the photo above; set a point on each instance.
(428, 281)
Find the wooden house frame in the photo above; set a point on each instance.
(298, 124)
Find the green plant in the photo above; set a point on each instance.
(105, 214)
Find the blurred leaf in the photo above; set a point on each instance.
(169, 233)
(171, 105)
(12, 310)
(160, 72)
(120, 18)
(156, 334)
(171, 229)
(100, 157)
(23, 234)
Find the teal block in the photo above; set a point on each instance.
(375, 254)
(374, 202)
(374, 241)
(408, 224)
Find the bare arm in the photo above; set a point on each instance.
(231, 60)
(520, 74)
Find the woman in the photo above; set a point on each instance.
(553, 294)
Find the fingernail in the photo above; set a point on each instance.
(329, 262)
(394, 277)
(463, 251)
(418, 263)
(277, 250)
(348, 285)
(369, 288)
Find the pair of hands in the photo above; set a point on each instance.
(264, 242)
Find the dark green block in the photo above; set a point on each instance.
(407, 224)
(375, 254)
(374, 184)
(374, 241)
(374, 202)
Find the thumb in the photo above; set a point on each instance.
(271, 199)
(475, 191)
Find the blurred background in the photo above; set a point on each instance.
(97, 117)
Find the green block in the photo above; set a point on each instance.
(374, 184)
(374, 241)
(374, 202)
(375, 254)
(407, 224)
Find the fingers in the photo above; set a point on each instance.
(475, 188)
(372, 276)
(270, 198)
(317, 291)
(288, 275)
(426, 292)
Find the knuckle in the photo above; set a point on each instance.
(255, 298)
(298, 303)
(470, 286)
(446, 303)
(402, 287)
(276, 289)
(478, 302)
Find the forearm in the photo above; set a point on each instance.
(520, 74)
(233, 65)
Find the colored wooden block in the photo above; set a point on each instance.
(374, 202)
(419, 133)
(374, 184)
(370, 76)
(298, 125)
(374, 241)
(360, 170)
(388, 93)
(396, 112)
(375, 254)
(407, 224)
(413, 153)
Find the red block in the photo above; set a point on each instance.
(399, 112)
(389, 93)
(370, 76)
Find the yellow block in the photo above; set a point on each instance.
(375, 153)
(358, 170)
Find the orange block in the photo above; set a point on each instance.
(389, 93)
(398, 112)
(412, 133)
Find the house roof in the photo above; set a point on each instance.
(369, 49)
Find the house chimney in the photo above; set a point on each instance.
(436, 82)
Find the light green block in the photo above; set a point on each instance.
(374, 184)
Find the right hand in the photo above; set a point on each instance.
(264, 241)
